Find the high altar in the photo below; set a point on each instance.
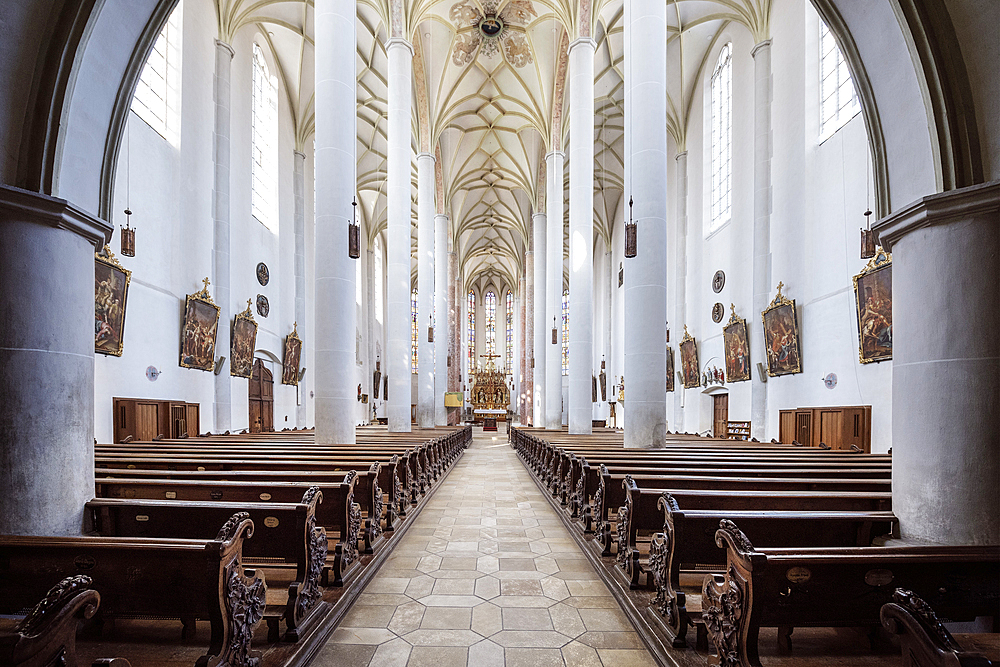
(490, 396)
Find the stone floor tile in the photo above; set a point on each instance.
(601, 640)
(625, 658)
(533, 657)
(566, 620)
(487, 619)
(361, 636)
(406, 618)
(554, 588)
(526, 619)
(521, 587)
(337, 655)
(396, 585)
(450, 601)
(454, 587)
(606, 620)
(529, 639)
(486, 654)
(580, 655)
(522, 601)
(364, 616)
(458, 563)
(587, 588)
(447, 618)
(419, 586)
(438, 656)
(487, 587)
(428, 637)
(394, 653)
(512, 564)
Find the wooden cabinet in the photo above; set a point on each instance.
(839, 427)
(146, 418)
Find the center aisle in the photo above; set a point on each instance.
(487, 575)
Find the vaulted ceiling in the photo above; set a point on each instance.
(489, 102)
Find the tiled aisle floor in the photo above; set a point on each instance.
(487, 575)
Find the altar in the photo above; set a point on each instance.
(490, 396)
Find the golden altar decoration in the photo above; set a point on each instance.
(489, 390)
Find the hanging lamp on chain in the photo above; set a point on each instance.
(555, 334)
(354, 234)
(630, 233)
(128, 232)
(430, 329)
(869, 237)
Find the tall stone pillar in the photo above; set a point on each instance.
(336, 307)
(946, 360)
(538, 232)
(223, 404)
(373, 358)
(581, 234)
(398, 236)
(528, 346)
(553, 289)
(425, 289)
(46, 362)
(299, 221)
(454, 325)
(441, 336)
(761, 224)
(680, 282)
(645, 276)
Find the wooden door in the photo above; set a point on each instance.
(803, 428)
(720, 415)
(786, 426)
(178, 420)
(261, 399)
(830, 428)
(147, 418)
(192, 415)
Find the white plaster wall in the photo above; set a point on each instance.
(171, 198)
(818, 200)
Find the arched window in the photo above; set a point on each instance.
(377, 252)
(838, 100)
(565, 333)
(490, 303)
(156, 95)
(471, 307)
(510, 333)
(413, 331)
(722, 138)
(264, 143)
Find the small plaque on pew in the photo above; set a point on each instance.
(141, 517)
(84, 563)
(798, 575)
(270, 521)
(201, 468)
(131, 466)
(170, 495)
(265, 496)
(878, 577)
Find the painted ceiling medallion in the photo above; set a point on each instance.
(492, 30)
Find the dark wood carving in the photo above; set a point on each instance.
(47, 635)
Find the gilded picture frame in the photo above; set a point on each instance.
(689, 361)
(242, 343)
(199, 330)
(670, 369)
(293, 354)
(781, 336)
(111, 281)
(873, 301)
(737, 345)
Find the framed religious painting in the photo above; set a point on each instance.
(293, 353)
(873, 296)
(199, 330)
(689, 360)
(781, 336)
(242, 344)
(111, 281)
(734, 336)
(670, 369)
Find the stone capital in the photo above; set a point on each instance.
(760, 45)
(17, 205)
(555, 154)
(222, 46)
(582, 41)
(938, 209)
(426, 156)
(399, 42)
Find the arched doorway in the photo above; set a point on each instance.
(261, 398)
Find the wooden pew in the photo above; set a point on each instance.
(927, 643)
(835, 586)
(339, 514)
(286, 536)
(157, 578)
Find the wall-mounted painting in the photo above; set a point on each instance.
(781, 336)
(734, 336)
(689, 360)
(293, 351)
(873, 295)
(201, 325)
(242, 343)
(670, 369)
(111, 281)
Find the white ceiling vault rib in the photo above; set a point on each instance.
(489, 102)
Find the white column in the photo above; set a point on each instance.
(298, 189)
(761, 226)
(336, 309)
(440, 318)
(553, 289)
(680, 284)
(425, 289)
(454, 331)
(645, 277)
(369, 382)
(609, 273)
(529, 337)
(397, 315)
(581, 234)
(539, 327)
(223, 405)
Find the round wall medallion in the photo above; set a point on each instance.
(263, 307)
(491, 25)
(718, 282)
(263, 275)
(718, 311)
(830, 380)
(152, 373)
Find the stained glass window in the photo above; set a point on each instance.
(510, 332)
(471, 307)
(491, 322)
(838, 101)
(413, 331)
(263, 143)
(156, 91)
(565, 333)
(722, 137)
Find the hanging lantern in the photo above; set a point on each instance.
(630, 233)
(555, 334)
(430, 329)
(128, 235)
(869, 238)
(354, 234)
